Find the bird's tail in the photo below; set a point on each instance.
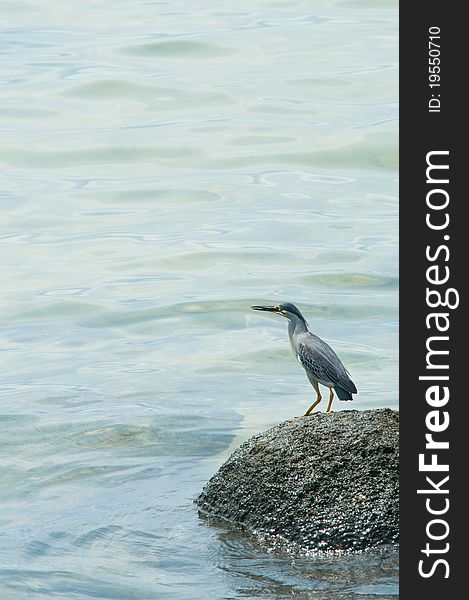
(343, 394)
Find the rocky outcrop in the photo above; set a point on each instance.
(323, 482)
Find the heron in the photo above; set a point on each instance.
(321, 363)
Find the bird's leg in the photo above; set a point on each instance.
(318, 398)
(331, 397)
(313, 406)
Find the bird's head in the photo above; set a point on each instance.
(287, 310)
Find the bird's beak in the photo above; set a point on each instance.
(274, 309)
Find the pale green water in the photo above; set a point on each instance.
(164, 165)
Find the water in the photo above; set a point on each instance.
(164, 165)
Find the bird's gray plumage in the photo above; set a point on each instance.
(321, 363)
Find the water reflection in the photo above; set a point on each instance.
(254, 570)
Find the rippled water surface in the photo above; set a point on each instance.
(164, 165)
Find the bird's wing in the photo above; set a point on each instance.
(322, 362)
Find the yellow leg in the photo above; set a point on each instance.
(313, 406)
(331, 397)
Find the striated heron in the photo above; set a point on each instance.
(321, 363)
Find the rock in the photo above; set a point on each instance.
(323, 482)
